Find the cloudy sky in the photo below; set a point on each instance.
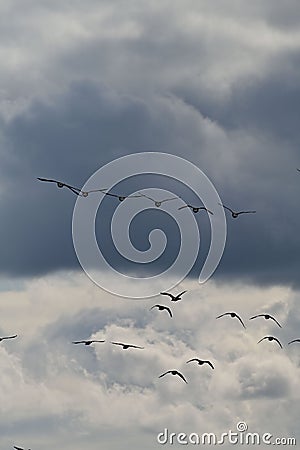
(84, 83)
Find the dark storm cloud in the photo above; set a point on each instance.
(89, 126)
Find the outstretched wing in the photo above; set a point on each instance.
(276, 321)
(163, 374)
(209, 363)
(238, 317)
(167, 293)
(278, 342)
(169, 310)
(193, 359)
(79, 342)
(135, 346)
(181, 293)
(227, 207)
(257, 315)
(9, 337)
(222, 315)
(246, 212)
(294, 340)
(181, 376)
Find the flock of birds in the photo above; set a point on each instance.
(173, 298)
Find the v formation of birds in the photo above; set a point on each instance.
(173, 298)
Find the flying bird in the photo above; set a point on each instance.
(122, 197)
(173, 372)
(294, 340)
(126, 346)
(161, 308)
(271, 338)
(266, 316)
(8, 337)
(201, 362)
(235, 214)
(196, 209)
(60, 184)
(174, 298)
(158, 203)
(86, 193)
(87, 342)
(232, 314)
(19, 448)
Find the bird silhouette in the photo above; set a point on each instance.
(126, 346)
(232, 314)
(235, 214)
(174, 298)
(196, 209)
(173, 372)
(161, 308)
(19, 448)
(271, 338)
(87, 342)
(294, 340)
(60, 184)
(122, 197)
(201, 362)
(266, 316)
(158, 203)
(8, 337)
(86, 193)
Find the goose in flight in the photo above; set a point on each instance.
(87, 342)
(266, 316)
(126, 346)
(201, 362)
(161, 308)
(158, 203)
(19, 448)
(233, 315)
(86, 193)
(294, 340)
(235, 214)
(173, 372)
(8, 337)
(122, 197)
(174, 298)
(196, 209)
(271, 338)
(60, 184)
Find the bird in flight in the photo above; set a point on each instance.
(271, 338)
(126, 346)
(173, 372)
(235, 214)
(86, 193)
(201, 362)
(174, 298)
(158, 203)
(266, 316)
(294, 340)
(60, 184)
(196, 209)
(87, 342)
(8, 337)
(233, 315)
(19, 448)
(122, 197)
(161, 308)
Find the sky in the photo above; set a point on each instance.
(84, 84)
